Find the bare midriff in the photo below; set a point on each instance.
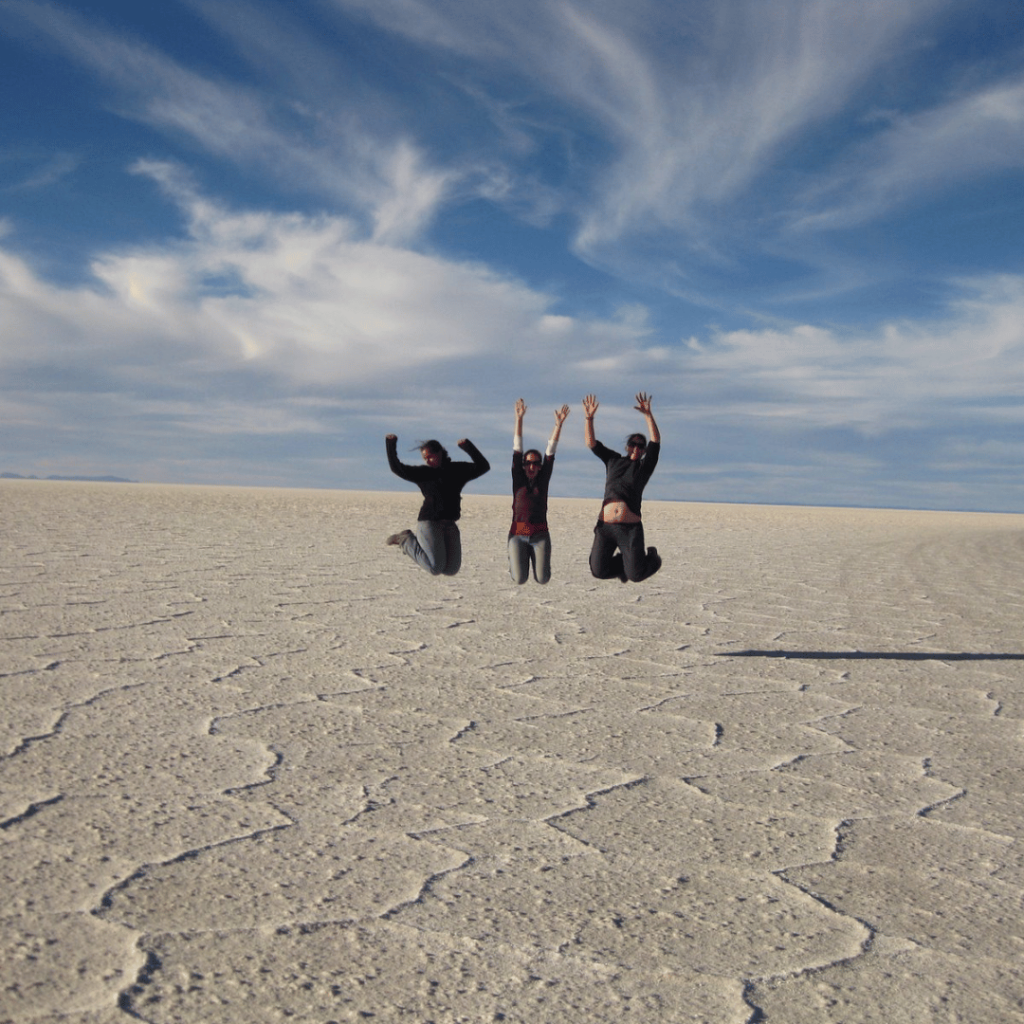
(618, 512)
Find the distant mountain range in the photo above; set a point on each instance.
(86, 479)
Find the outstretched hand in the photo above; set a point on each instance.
(462, 442)
(520, 408)
(560, 415)
(643, 403)
(390, 437)
(590, 404)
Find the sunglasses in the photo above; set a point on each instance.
(532, 462)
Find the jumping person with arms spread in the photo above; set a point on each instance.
(437, 543)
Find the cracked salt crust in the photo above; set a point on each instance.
(251, 771)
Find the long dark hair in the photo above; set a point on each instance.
(533, 487)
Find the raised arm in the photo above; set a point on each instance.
(643, 404)
(517, 436)
(398, 467)
(481, 465)
(590, 404)
(560, 415)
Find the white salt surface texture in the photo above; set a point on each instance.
(256, 766)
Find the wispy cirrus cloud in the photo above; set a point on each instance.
(968, 137)
(684, 110)
(36, 171)
(691, 103)
(325, 149)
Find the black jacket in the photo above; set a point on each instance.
(626, 478)
(441, 486)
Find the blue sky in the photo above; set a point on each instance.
(240, 242)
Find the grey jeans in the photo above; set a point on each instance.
(436, 546)
(526, 551)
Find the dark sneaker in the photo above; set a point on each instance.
(653, 562)
(400, 538)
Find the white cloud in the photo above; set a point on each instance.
(35, 172)
(695, 100)
(968, 366)
(325, 149)
(705, 120)
(411, 196)
(966, 138)
(303, 299)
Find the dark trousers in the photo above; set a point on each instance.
(629, 560)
